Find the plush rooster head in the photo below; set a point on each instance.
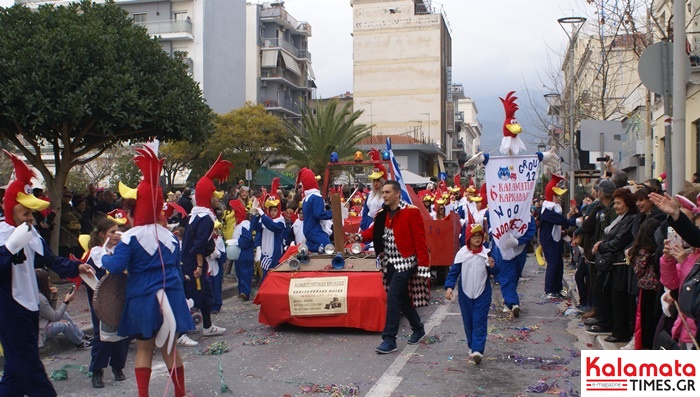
(239, 210)
(206, 189)
(307, 179)
(149, 194)
(457, 188)
(118, 216)
(511, 129)
(379, 169)
(510, 125)
(20, 190)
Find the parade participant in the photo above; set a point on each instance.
(298, 228)
(551, 221)
(198, 243)
(21, 250)
(428, 204)
(472, 266)
(374, 200)
(440, 209)
(315, 211)
(510, 268)
(243, 238)
(270, 228)
(458, 200)
(398, 235)
(103, 240)
(155, 301)
(216, 260)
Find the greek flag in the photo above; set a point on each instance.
(265, 262)
(397, 172)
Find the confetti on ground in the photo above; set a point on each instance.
(542, 387)
(331, 390)
(62, 374)
(216, 349)
(263, 340)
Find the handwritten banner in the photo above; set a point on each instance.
(510, 184)
(318, 296)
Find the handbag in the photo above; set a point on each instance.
(604, 261)
(689, 294)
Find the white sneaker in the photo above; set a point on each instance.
(506, 309)
(629, 345)
(476, 357)
(185, 340)
(516, 311)
(213, 331)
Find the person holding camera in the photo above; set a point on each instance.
(53, 322)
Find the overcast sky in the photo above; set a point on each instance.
(497, 46)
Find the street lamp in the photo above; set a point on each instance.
(576, 24)
(371, 124)
(554, 103)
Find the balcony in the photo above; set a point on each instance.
(299, 83)
(281, 43)
(170, 30)
(282, 105)
(282, 17)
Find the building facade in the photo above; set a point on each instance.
(278, 69)
(402, 63)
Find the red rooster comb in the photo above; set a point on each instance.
(149, 194)
(149, 164)
(22, 172)
(205, 188)
(374, 154)
(273, 200)
(509, 104)
(169, 209)
(457, 180)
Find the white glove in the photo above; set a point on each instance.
(260, 211)
(258, 254)
(509, 241)
(19, 238)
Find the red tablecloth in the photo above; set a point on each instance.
(366, 301)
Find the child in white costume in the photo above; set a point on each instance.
(472, 266)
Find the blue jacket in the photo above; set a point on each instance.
(314, 213)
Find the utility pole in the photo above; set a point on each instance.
(675, 175)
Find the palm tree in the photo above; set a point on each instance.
(328, 130)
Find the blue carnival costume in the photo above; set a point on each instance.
(510, 270)
(314, 211)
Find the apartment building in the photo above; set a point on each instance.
(278, 69)
(402, 61)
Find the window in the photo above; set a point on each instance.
(140, 18)
(180, 15)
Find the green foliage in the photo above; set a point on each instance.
(329, 130)
(249, 137)
(125, 171)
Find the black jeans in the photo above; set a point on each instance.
(397, 301)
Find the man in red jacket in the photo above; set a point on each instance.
(399, 240)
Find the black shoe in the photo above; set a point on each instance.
(97, 382)
(416, 337)
(613, 339)
(118, 375)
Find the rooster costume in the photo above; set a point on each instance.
(511, 143)
(155, 308)
(198, 243)
(551, 221)
(21, 250)
(243, 238)
(314, 211)
(270, 230)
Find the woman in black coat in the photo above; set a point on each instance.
(614, 301)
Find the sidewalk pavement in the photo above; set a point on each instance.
(598, 342)
(79, 311)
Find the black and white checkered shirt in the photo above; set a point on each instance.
(392, 256)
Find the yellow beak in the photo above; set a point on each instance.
(514, 128)
(84, 240)
(559, 191)
(127, 192)
(219, 194)
(118, 221)
(31, 202)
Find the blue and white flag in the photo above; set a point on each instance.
(265, 262)
(397, 173)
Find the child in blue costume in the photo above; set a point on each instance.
(270, 228)
(243, 238)
(216, 260)
(551, 222)
(510, 269)
(314, 211)
(198, 243)
(21, 250)
(155, 299)
(102, 240)
(472, 266)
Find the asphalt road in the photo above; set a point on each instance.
(538, 351)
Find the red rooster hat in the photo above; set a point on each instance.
(273, 199)
(149, 194)
(239, 210)
(552, 187)
(457, 187)
(307, 179)
(206, 189)
(379, 169)
(511, 129)
(484, 196)
(169, 209)
(20, 190)
(118, 216)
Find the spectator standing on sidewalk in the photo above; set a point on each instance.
(398, 235)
